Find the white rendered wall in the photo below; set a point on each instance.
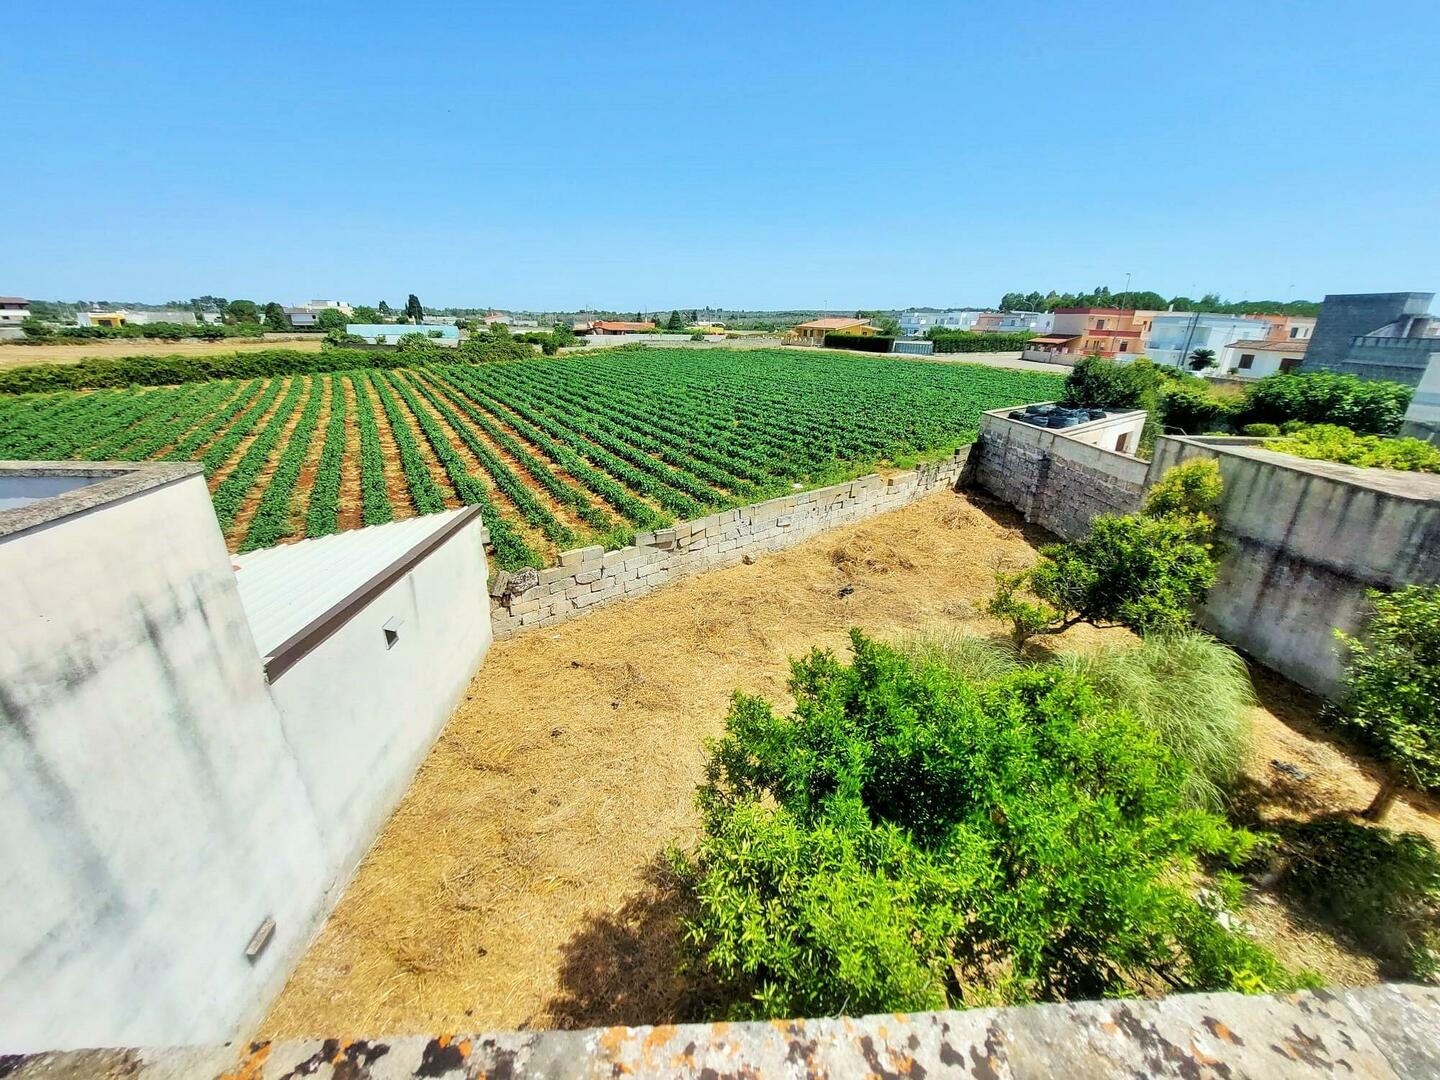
(152, 814)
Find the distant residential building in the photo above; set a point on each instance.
(115, 319)
(1077, 332)
(1174, 335)
(496, 317)
(333, 305)
(1375, 336)
(1422, 419)
(914, 323)
(1254, 358)
(13, 310)
(302, 318)
(814, 331)
(391, 333)
(1289, 327)
(602, 327)
(1014, 322)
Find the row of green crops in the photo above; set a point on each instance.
(555, 453)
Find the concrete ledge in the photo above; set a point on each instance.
(77, 486)
(1387, 1031)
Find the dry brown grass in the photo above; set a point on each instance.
(12, 355)
(517, 883)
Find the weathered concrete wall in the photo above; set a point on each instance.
(1305, 540)
(152, 813)
(1383, 1032)
(590, 577)
(360, 715)
(1055, 479)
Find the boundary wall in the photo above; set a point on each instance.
(589, 577)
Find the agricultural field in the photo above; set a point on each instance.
(557, 453)
(68, 352)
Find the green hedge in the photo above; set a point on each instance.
(859, 342)
(151, 331)
(167, 370)
(951, 341)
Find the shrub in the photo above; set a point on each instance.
(1191, 404)
(1192, 691)
(904, 840)
(1145, 571)
(1381, 886)
(1392, 689)
(1260, 431)
(1369, 406)
(1097, 383)
(698, 335)
(974, 659)
(878, 343)
(1330, 442)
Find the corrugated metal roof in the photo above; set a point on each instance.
(285, 589)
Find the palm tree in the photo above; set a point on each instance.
(1201, 359)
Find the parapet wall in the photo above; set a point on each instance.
(1059, 478)
(589, 577)
(1380, 1032)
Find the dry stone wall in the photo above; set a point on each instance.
(589, 577)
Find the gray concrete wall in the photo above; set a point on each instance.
(1368, 1033)
(1305, 540)
(153, 814)
(589, 577)
(359, 716)
(1055, 479)
(1344, 316)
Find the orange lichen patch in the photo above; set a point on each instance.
(252, 1066)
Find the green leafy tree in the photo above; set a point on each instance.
(275, 317)
(332, 319)
(675, 322)
(888, 325)
(413, 311)
(1392, 698)
(363, 314)
(383, 308)
(242, 311)
(1366, 406)
(908, 840)
(1144, 571)
(36, 329)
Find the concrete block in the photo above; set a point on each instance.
(581, 556)
(553, 574)
(587, 577)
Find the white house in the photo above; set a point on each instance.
(1175, 335)
(1254, 359)
(336, 305)
(916, 323)
(302, 318)
(13, 310)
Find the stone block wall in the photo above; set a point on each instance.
(1055, 480)
(590, 577)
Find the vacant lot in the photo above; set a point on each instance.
(516, 884)
(557, 453)
(19, 355)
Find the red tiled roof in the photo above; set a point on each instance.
(13, 300)
(622, 325)
(830, 323)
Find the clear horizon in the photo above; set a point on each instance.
(646, 158)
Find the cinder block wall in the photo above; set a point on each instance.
(589, 577)
(1055, 480)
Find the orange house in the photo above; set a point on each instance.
(1084, 331)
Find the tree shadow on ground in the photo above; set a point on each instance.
(1006, 516)
(623, 966)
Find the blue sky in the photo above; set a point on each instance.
(759, 155)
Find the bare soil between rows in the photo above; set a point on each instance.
(518, 885)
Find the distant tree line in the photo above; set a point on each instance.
(1101, 296)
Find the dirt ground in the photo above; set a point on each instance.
(517, 884)
(12, 355)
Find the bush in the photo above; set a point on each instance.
(1392, 689)
(1369, 406)
(905, 841)
(1097, 383)
(1330, 442)
(698, 335)
(878, 343)
(1144, 571)
(1191, 405)
(975, 659)
(1382, 887)
(1260, 431)
(1192, 691)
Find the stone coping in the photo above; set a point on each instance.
(116, 480)
(1414, 486)
(1383, 1032)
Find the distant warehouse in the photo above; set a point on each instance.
(391, 333)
